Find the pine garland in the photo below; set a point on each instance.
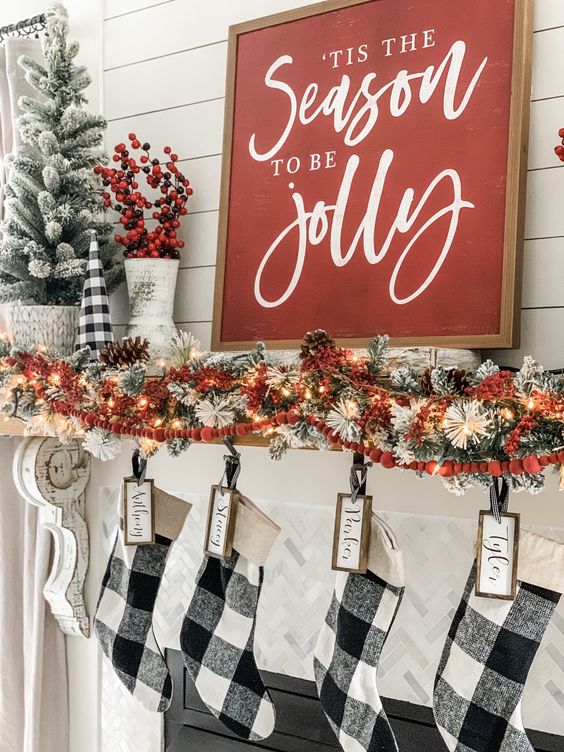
(52, 195)
(465, 428)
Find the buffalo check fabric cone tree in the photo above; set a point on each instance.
(124, 618)
(52, 194)
(347, 655)
(95, 325)
(218, 632)
(489, 651)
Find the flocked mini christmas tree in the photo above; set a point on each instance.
(52, 194)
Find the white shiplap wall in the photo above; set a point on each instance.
(164, 77)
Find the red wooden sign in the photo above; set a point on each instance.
(373, 177)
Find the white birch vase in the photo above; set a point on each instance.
(151, 284)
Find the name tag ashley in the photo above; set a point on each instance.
(498, 554)
(222, 515)
(138, 512)
(351, 537)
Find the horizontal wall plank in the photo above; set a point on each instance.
(179, 26)
(548, 14)
(199, 233)
(119, 7)
(194, 294)
(547, 117)
(545, 208)
(205, 178)
(192, 131)
(193, 76)
(542, 336)
(200, 329)
(169, 27)
(544, 274)
(548, 64)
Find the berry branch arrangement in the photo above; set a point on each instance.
(124, 196)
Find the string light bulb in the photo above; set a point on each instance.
(143, 402)
(158, 422)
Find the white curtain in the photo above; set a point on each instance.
(33, 672)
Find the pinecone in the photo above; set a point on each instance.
(425, 382)
(125, 353)
(457, 381)
(314, 341)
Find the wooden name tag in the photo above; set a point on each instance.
(220, 529)
(138, 512)
(498, 555)
(351, 538)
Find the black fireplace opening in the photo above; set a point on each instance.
(301, 724)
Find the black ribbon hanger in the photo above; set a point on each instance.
(499, 498)
(139, 465)
(232, 466)
(359, 473)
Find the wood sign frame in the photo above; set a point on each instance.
(515, 555)
(238, 319)
(225, 550)
(132, 481)
(365, 503)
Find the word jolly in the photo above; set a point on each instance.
(498, 553)
(138, 512)
(222, 515)
(351, 536)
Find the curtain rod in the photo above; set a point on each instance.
(24, 28)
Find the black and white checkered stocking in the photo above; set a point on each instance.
(124, 618)
(488, 653)
(350, 643)
(218, 632)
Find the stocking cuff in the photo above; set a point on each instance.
(170, 514)
(255, 533)
(541, 562)
(385, 558)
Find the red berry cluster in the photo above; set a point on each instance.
(559, 150)
(139, 241)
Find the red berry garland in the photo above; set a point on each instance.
(127, 200)
(559, 150)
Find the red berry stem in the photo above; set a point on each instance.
(138, 241)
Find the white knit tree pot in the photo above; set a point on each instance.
(55, 327)
(151, 284)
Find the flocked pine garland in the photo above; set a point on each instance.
(464, 427)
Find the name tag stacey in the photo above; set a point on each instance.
(351, 536)
(498, 554)
(222, 515)
(138, 512)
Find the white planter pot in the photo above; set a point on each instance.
(55, 327)
(151, 284)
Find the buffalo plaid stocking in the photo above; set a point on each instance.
(347, 655)
(218, 632)
(124, 618)
(488, 653)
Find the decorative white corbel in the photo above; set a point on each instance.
(53, 477)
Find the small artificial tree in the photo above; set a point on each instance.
(53, 197)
